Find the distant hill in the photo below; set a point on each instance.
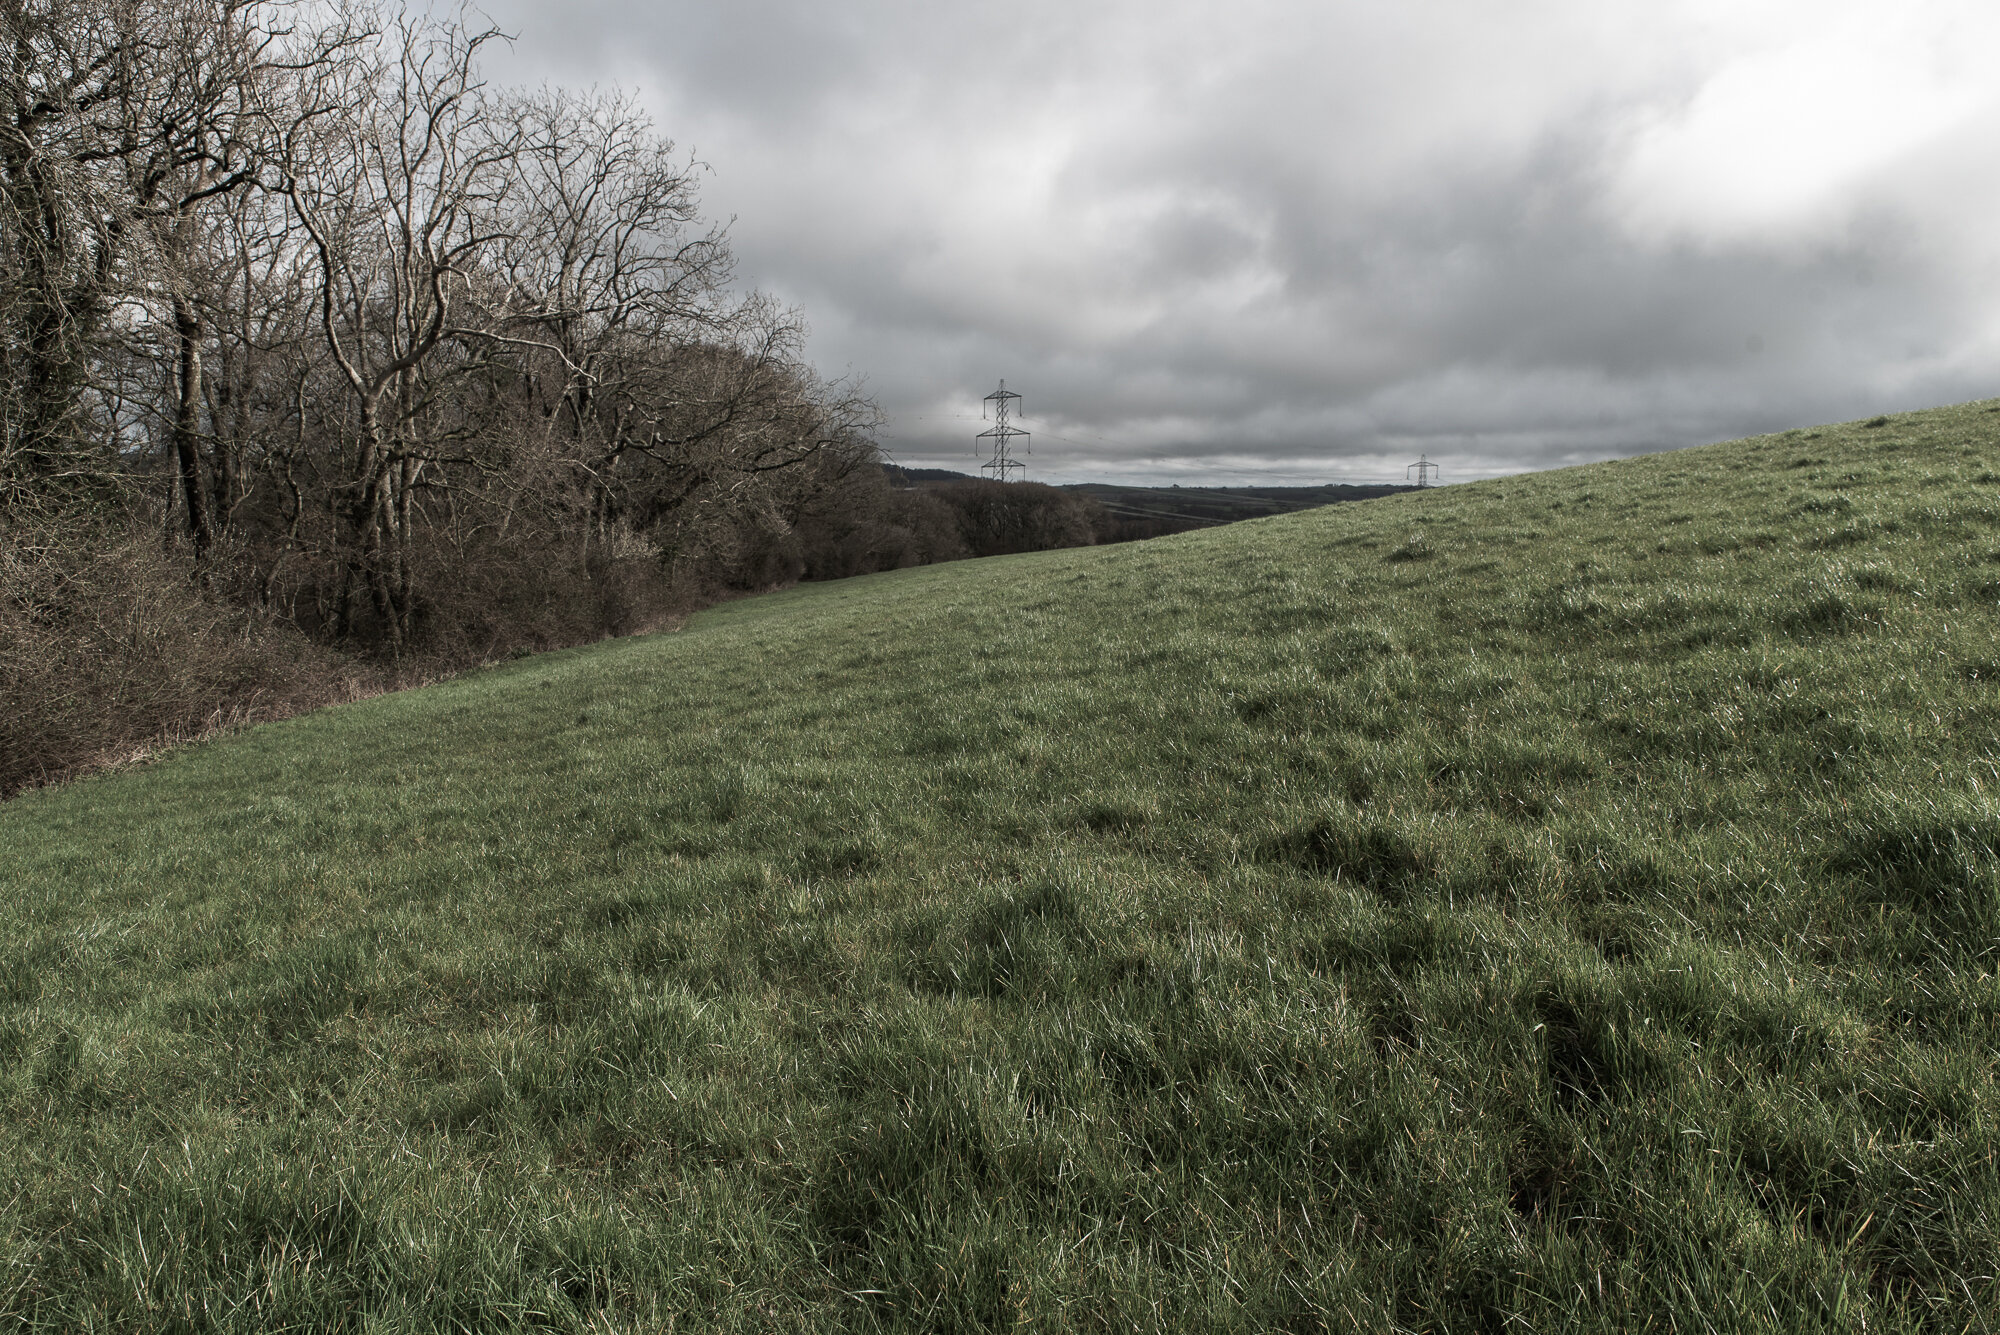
(1146, 512)
(905, 476)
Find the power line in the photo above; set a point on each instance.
(1097, 440)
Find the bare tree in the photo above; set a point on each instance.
(200, 129)
(603, 247)
(398, 184)
(67, 78)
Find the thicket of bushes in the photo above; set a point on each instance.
(324, 367)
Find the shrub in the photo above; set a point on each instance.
(108, 645)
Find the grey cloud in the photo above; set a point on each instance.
(1317, 239)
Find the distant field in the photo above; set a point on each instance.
(1568, 902)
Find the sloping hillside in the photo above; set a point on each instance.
(1568, 899)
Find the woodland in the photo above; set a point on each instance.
(326, 367)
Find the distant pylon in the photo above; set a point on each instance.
(1424, 468)
(1002, 435)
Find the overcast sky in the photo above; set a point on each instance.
(1295, 242)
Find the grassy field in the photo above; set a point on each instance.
(1568, 902)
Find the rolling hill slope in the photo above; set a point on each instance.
(1571, 898)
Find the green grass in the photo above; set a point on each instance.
(1568, 902)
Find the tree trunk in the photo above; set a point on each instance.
(187, 425)
(365, 519)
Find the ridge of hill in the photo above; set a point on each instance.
(1569, 900)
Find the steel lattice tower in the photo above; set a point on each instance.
(1003, 435)
(1424, 468)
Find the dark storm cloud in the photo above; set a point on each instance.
(1305, 241)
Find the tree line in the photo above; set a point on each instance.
(323, 361)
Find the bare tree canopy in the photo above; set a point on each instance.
(299, 281)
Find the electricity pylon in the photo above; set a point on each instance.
(1424, 468)
(1002, 435)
